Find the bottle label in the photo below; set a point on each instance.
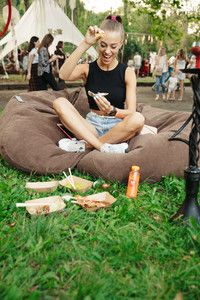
(132, 182)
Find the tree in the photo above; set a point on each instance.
(164, 20)
(26, 4)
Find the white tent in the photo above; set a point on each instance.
(42, 17)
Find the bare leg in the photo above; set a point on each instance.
(181, 89)
(168, 95)
(72, 120)
(173, 95)
(126, 129)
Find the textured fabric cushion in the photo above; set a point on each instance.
(29, 137)
(155, 154)
(29, 134)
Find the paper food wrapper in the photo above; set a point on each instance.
(82, 185)
(95, 201)
(44, 206)
(47, 186)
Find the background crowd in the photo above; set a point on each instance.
(42, 69)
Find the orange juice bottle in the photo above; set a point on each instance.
(133, 182)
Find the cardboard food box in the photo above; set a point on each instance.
(81, 185)
(95, 201)
(43, 206)
(46, 186)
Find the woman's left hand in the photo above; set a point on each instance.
(103, 104)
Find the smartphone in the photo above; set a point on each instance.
(67, 133)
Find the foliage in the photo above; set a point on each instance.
(130, 251)
(162, 20)
(167, 22)
(130, 48)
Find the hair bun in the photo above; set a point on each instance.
(119, 19)
(114, 18)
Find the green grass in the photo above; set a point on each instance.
(129, 251)
(13, 78)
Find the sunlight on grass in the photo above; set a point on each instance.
(129, 251)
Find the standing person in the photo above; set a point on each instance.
(112, 118)
(171, 86)
(32, 70)
(25, 61)
(137, 60)
(160, 71)
(171, 65)
(44, 63)
(179, 64)
(60, 61)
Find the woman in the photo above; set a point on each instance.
(180, 64)
(44, 63)
(32, 70)
(60, 61)
(160, 71)
(112, 118)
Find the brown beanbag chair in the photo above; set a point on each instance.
(29, 137)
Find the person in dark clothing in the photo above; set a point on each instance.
(111, 90)
(32, 70)
(60, 61)
(59, 51)
(44, 63)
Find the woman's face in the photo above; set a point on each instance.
(37, 43)
(163, 51)
(108, 46)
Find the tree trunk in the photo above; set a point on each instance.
(26, 4)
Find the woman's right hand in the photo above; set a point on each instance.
(54, 57)
(93, 34)
(28, 76)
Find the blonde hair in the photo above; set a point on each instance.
(113, 24)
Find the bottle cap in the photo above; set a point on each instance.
(135, 168)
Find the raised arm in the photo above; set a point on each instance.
(70, 70)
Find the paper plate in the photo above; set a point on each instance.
(47, 186)
(81, 185)
(44, 206)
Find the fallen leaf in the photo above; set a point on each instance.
(33, 288)
(179, 296)
(105, 185)
(12, 224)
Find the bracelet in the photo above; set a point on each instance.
(113, 112)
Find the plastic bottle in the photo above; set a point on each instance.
(133, 182)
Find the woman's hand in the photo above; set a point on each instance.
(53, 58)
(103, 104)
(28, 76)
(93, 34)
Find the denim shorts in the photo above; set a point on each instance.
(102, 124)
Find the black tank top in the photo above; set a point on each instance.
(112, 82)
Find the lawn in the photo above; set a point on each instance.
(129, 251)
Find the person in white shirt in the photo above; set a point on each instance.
(137, 61)
(171, 85)
(33, 64)
(160, 71)
(180, 64)
(171, 64)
